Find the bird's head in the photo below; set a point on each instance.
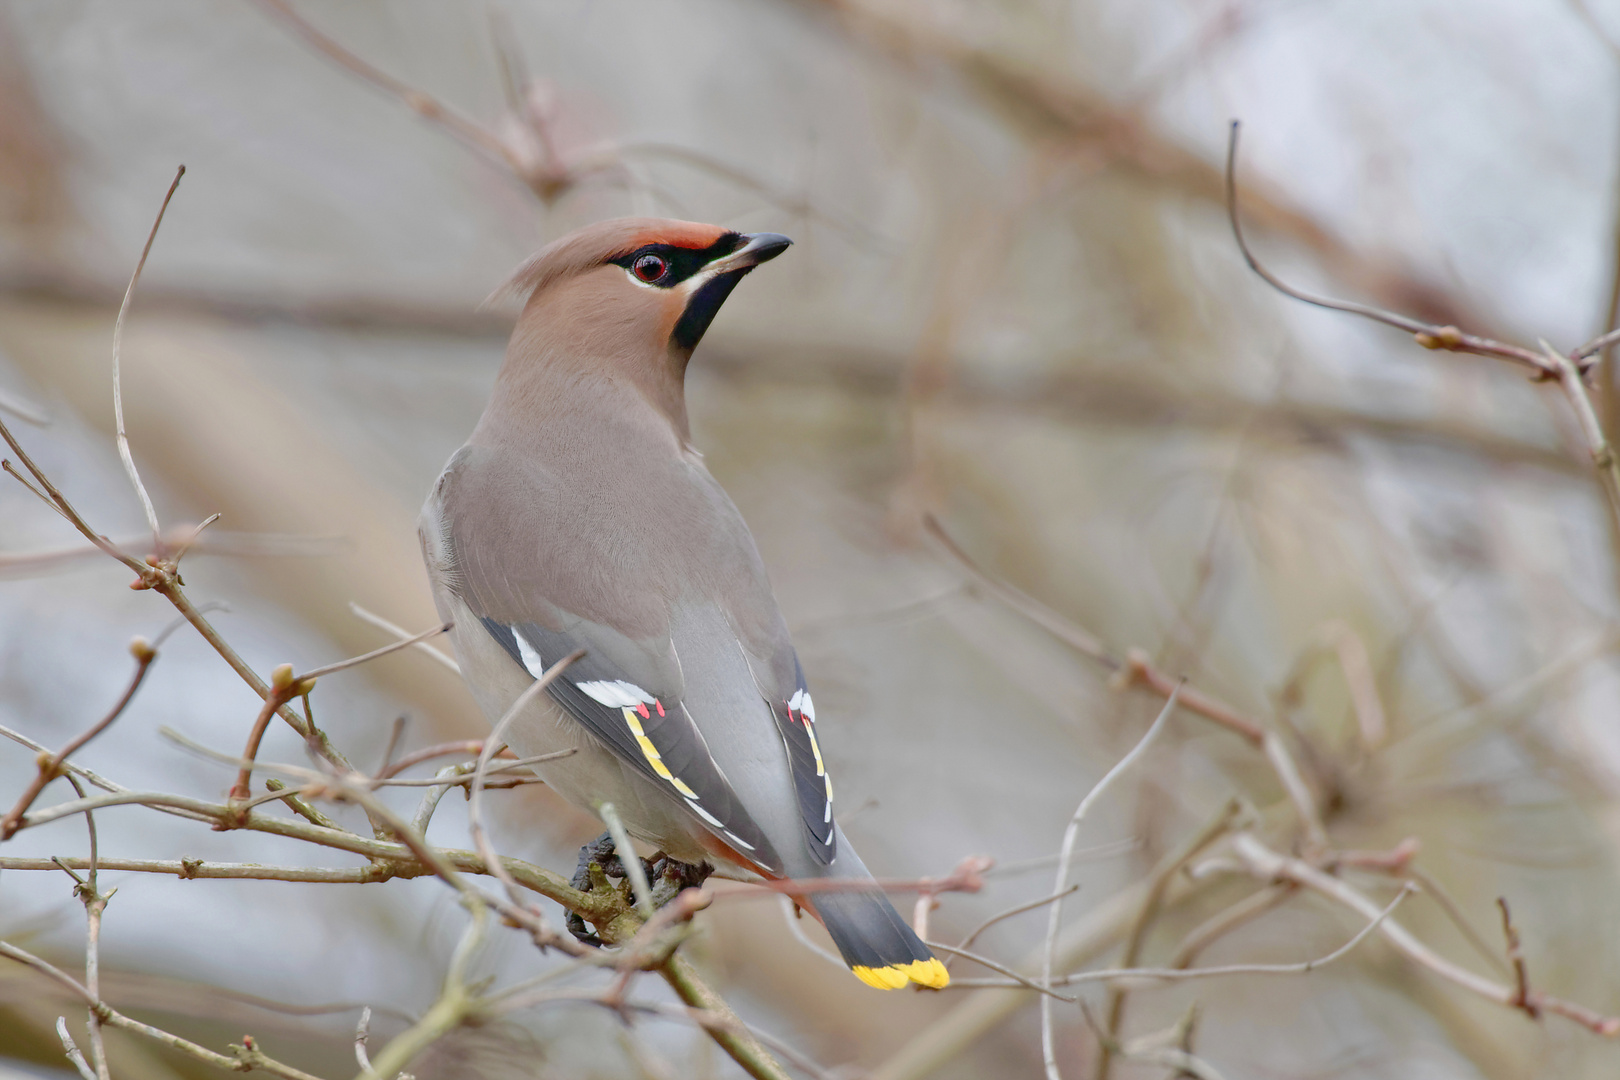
(635, 288)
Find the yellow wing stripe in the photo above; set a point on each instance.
(928, 972)
(821, 770)
(650, 751)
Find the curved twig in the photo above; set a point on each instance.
(1428, 335)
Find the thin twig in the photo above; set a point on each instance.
(1176, 974)
(1571, 379)
(117, 358)
(355, 661)
(65, 508)
(400, 632)
(1428, 335)
(1270, 866)
(475, 822)
(94, 905)
(362, 1032)
(1017, 979)
(1225, 921)
(284, 687)
(11, 470)
(467, 769)
(74, 1054)
(1182, 974)
(1010, 912)
(299, 806)
(428, 753)
(424, 105)
(247, 1056)
(1070, 834)
(51, 768)
(1153, 899)
(634, 872)
(1515, 955)
(1133, 668)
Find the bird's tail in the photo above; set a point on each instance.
(875, 941)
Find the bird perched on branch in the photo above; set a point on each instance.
(579, 516)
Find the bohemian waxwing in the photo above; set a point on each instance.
(579, 516)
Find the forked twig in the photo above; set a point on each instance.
(1271, 866)
(1515, 955)
(1054, 919)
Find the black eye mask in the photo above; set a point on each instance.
(680, 263)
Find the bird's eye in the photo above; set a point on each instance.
(650, 268)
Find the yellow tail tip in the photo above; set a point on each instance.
(928, 972)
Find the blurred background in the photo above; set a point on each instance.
(1014, 304)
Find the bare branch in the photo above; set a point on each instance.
(1133, 668)
(1572, 379)
(1515, 955)
(362, 1032)
(633, 870)
(475, 821)
(468, 131)
(55, 498)
(1268, 865)
(355, 661)
(74, 1054)
(1428, 335)
(50, 768)
(428, 753)
(383, 624)
(117, 358)
(1017, 979)
(1010, 912)
(1055, 917)
(247, 1057)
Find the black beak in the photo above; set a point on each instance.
(756, 248)
(723, 275)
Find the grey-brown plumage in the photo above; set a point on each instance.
(579, 516)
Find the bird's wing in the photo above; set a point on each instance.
(795, 715)
(638, 711)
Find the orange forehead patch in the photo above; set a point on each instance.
(685, 234)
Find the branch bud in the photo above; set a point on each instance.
(281, 679)
(1442, 337)
(141, 649)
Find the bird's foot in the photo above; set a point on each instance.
(671, 877)
(668, 878)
